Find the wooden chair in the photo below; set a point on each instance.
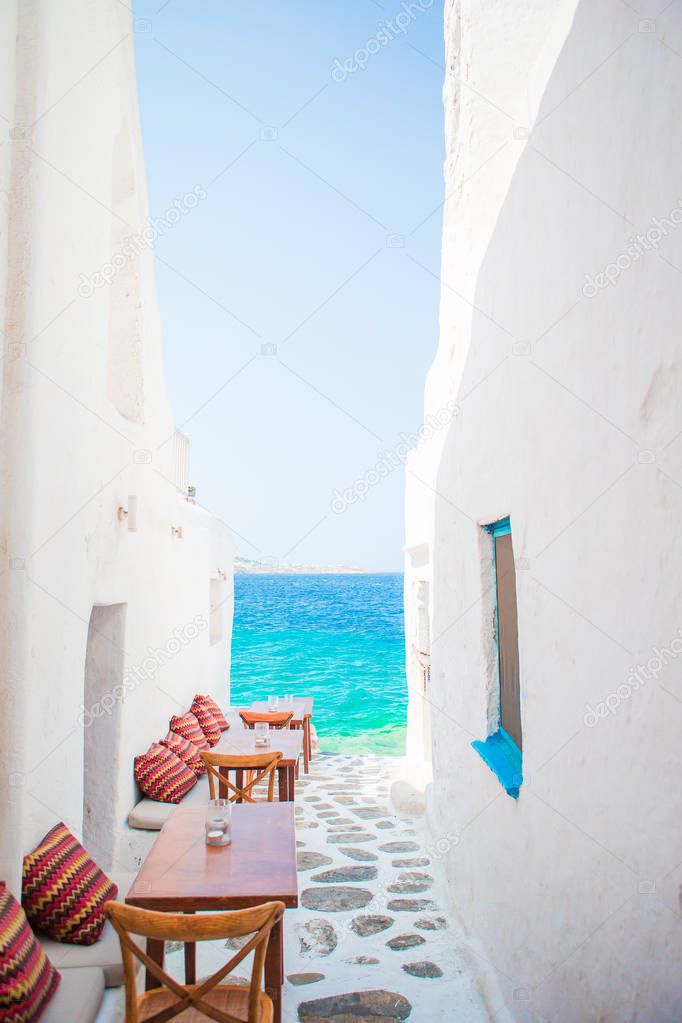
(256, 767)
(209, 999)
(282, 719)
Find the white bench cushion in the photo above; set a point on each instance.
(78, 997)
(105, 955)
(150, 815)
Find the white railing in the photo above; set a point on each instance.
(181, 460)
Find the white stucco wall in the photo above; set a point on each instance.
(85, 425)
(563, 143)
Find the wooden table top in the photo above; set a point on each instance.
(300, 706)
(238, 740)
(182, 873)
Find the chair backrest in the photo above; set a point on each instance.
(251, 767)
(282, 719)
(129, 921)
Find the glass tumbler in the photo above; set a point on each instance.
(218, 822)
(262, 733)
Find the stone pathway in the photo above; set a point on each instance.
(372, 939)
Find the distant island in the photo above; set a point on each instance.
(274, 567)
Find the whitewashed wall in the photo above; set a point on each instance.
(86, 424)
(563, 144)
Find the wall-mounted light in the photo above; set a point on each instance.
(177, 532)
(192, 493)
(129, 514)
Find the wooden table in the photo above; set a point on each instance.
(303, 712)
(238, 740)
(184, 875)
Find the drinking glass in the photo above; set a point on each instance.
(289, 699)
(232, 717)
(262, 733)
(273, 702)
(218, 822)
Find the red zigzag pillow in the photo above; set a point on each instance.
(162, 775)
(188, 727)
(187, 752)
(28, 980)
(207, 722)
(63, 891)
(215, 710)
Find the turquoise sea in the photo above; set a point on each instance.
(338, 638)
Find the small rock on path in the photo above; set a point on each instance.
(425, 969)
(335, 898)
(304, 978)
(341, 874)
(310, 860)
(364, 855)
(403, 941)
(364, 926)
(355, 1007)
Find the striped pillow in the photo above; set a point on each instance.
(28, 980)
(186, 750)
(162, 775)
(215, 710)
(63, 891)
(189, 728)
(208, 723)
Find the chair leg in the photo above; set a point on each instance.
(190, 962)
(274, 970)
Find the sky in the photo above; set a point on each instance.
(299, 295)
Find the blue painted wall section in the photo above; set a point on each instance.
(501, 528)
(503, 757)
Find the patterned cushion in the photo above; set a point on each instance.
(63, 891)
(187, 752)
(28, 980)
(208, 723)
(189, 728)
(162, 775)
(215, 710)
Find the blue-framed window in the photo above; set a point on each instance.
(502, 750)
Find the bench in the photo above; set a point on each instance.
(86, 970)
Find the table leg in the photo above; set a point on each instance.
(274, 969)
(307, 743)
(155, 951)
(282, 782)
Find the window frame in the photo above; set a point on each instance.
(499, 750)
(497, 531)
